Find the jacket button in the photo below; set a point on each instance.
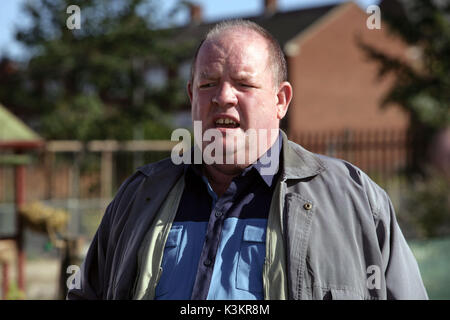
(207, 262)
(307, 206)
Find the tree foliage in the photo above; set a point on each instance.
(93, 82)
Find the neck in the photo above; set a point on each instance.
(220, 176)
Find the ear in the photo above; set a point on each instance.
(189, 90)
(284, 97)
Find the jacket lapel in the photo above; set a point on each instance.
(149, 197)
(298, 164)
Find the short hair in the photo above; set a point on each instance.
(277, 60)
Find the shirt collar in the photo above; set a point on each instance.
(267, 165)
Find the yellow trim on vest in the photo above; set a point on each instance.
(151, 252)
(274, 271)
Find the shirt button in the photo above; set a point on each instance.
(207, 262)
(307, 206)
(218, 213)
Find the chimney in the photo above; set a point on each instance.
(196, 13)
(270, 7)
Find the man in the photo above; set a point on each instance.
(304, 227)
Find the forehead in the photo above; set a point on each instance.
(238, 51)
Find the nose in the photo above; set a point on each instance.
(225, 96)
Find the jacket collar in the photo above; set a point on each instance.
(162, 168)
(299, 163)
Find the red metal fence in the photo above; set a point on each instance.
(382, 154)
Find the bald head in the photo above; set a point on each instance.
(276, 60)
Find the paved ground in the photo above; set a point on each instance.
(41, 278)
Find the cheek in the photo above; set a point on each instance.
(259, 111)
(200, 106)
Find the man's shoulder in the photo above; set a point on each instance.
(344, 175)
(158, 167)
(341, 168)
(349, 175)
(153, 171)
(327, 166)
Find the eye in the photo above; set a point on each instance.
(207, 85)
(246, 85)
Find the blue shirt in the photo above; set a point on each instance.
(216, 246)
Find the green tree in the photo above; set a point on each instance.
(424, 90)
(92, 82)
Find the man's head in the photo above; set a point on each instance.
(239, 74)
(277, 60)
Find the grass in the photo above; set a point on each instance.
(433, 257)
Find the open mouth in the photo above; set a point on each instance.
(226, 123)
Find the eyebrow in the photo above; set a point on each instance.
(207, 75)
(241, 76)
(246, 77)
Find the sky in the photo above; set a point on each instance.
(11, 16)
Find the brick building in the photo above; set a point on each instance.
(335, 86)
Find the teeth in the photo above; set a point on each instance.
(225, 121)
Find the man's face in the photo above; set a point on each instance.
(234, 81)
